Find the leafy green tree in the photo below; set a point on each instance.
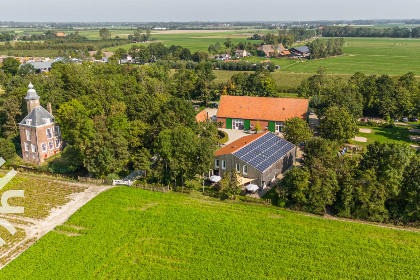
(323, 188)
(320, 150)
(7, 149)
(297, 131)
(389, 161)
(26, 69)
(370, 197)
(410, 191)
(338, 125)
(229, 186)
(293, 188)
(12, 111)
(104, 33)
(76, 124)
(10, 65)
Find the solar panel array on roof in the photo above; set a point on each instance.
(265, 151)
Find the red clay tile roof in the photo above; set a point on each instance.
(238, 144)
(262, 108)
(202, 116)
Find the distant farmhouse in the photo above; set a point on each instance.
(243, 112)
(241, 53)
(272, 50)
(223, 57)
(40, 136)
(301, 51)
(257, 158)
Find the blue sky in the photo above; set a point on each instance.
(199, 10)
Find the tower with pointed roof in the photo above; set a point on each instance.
(32, 98)
(40, 136)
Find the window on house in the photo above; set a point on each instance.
(33, 148)
(51, 145)
(26, 147)
(44, 147)
(238, 168)
(46, 120)
(29, 122)
(216, 163)
(223, 164)
(57, 143)
(49, 133)
(28, 135)
(57, 131)
(245, 169)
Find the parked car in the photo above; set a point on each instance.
(396, 120)
(405, 119)
(312, 112)
(413, 119)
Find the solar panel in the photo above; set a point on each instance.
(264, 151)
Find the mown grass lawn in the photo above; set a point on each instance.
(381, 134)
(128, 233)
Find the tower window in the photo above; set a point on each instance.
(49, 133)
(51, 145)
(29, 122)
(28, 135)
(44, 147)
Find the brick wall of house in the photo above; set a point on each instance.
(45, 147)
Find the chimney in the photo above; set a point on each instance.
(49, 109)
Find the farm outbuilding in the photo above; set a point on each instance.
(258, 158)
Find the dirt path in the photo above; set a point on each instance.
(38, 228)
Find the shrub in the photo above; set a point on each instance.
(111, 177)
(7, 149)
(223, 137)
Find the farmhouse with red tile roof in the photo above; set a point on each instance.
(243, 112)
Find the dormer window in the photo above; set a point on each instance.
(29, 121)
(46, 120)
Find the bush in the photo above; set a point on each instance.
(223, 137)
(111, 177)
(7, 149)
(71, 160)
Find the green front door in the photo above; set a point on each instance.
(272, 126)
(229, 123)
(247, 124)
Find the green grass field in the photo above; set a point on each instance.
(398, 134)
(128, 233)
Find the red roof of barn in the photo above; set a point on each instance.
(238, 144)
(262, 108)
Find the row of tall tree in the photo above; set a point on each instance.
(367, 95)
(350, 31)
(325, 48)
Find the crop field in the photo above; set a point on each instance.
(284, 80)
(196, 41)
(366, 55)
(41, 195)
(128, 233)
